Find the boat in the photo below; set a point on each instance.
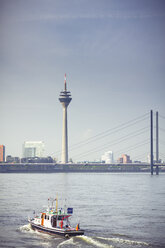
(55, 221)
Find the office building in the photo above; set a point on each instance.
(2, 153)
(107, 158)
(124, 159)
(33, 149)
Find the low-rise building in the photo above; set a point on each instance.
(10, 159)
(37, 160)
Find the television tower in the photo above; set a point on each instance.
(65, 99)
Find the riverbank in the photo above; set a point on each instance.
(57, 168)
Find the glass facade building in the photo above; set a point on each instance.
(33, 149)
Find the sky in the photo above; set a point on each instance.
(113, 53)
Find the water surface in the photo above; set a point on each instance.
(116, 210)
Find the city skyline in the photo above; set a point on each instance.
(113, 54)
(35, 149)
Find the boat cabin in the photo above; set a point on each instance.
(53, 220)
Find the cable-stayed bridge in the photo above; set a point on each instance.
(131, 137)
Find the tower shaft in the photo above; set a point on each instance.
(64, 157)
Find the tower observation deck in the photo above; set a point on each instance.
(65, 99)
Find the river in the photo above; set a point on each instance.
(115, 209)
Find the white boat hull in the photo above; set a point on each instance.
(57, 231)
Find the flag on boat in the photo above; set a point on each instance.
(70, 210)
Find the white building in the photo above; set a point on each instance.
(33, 149)
(107, 157)
(149, 158)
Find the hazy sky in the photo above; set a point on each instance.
(113, 52)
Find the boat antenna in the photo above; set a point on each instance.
(65, 206)
(48, 205)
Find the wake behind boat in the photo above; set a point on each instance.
(55, 221)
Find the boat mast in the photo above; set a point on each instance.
(56, 203)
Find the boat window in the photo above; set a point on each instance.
(54, 222)
(60, 217)
(45, 216)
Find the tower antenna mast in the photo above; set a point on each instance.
(65, 83)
